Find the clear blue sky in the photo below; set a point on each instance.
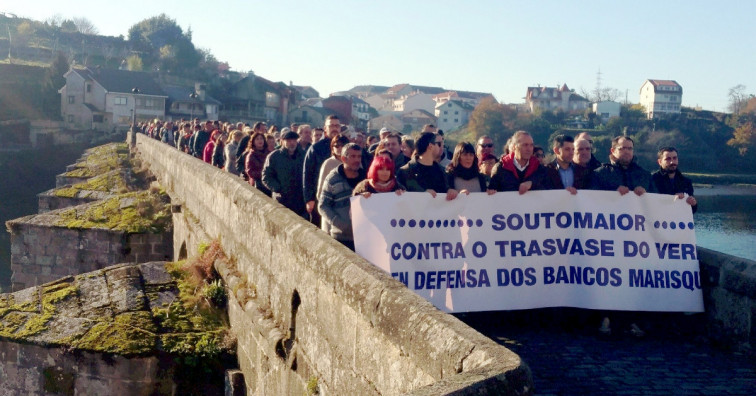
(500, 47)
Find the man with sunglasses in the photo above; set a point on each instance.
(485, 146)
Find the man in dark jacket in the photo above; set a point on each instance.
(282, 173)
(314, 158)
(622, 174)
(519, 170)
(201, 138)
(669, 180)
(562, 172)
(591, 163)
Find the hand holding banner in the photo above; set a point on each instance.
(596, 249)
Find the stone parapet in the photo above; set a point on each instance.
(310, 314)
(42, 252)
(729, 285)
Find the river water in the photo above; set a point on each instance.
(726, 220)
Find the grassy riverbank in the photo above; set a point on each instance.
(723, 178)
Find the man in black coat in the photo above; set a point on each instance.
(669, 180)
(201, 138)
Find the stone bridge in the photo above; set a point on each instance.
(310, 313)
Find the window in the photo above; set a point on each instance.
(148, 103)
(119, 100)
(456, 112)
(70, 119)
(271, 99)
(445, 120)
(456, 120)
(446, 112)
(71, 99)
(97, 118)
(89, 87)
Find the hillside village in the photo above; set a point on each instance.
(107, 83)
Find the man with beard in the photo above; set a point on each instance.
(622, 174)
(669, 180)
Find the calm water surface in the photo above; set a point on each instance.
(727, 223)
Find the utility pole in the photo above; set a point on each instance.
(598, 86)
(10, 44)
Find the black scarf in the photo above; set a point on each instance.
(465, 173)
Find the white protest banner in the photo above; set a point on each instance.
(596, 249)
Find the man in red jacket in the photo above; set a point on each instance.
(519, 170)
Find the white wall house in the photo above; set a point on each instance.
(103, 99)
(415, 101)
(661, 97)
(553, 98)
(607, 110)
(453, 114)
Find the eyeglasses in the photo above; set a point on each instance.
(486, 145)
(439, 144)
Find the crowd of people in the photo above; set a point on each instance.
(315, 171)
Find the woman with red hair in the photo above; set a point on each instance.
(380, 179)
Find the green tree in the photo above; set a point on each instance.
(135, 63)
(53, 81)
(162, 42)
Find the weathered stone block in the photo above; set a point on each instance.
(45, 260)
(730, 317)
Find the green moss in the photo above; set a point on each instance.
(312, 386)
(108, 182)
(101, 159)
(130, 333)
(51, 295)
(137, 212)
(20, 321)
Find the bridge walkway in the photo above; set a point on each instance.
(568, 356)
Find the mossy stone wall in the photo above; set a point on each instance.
(44, 253)
(27, 369)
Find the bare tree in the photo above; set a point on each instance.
(85, 26)
(738, 98)
(55, 21)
